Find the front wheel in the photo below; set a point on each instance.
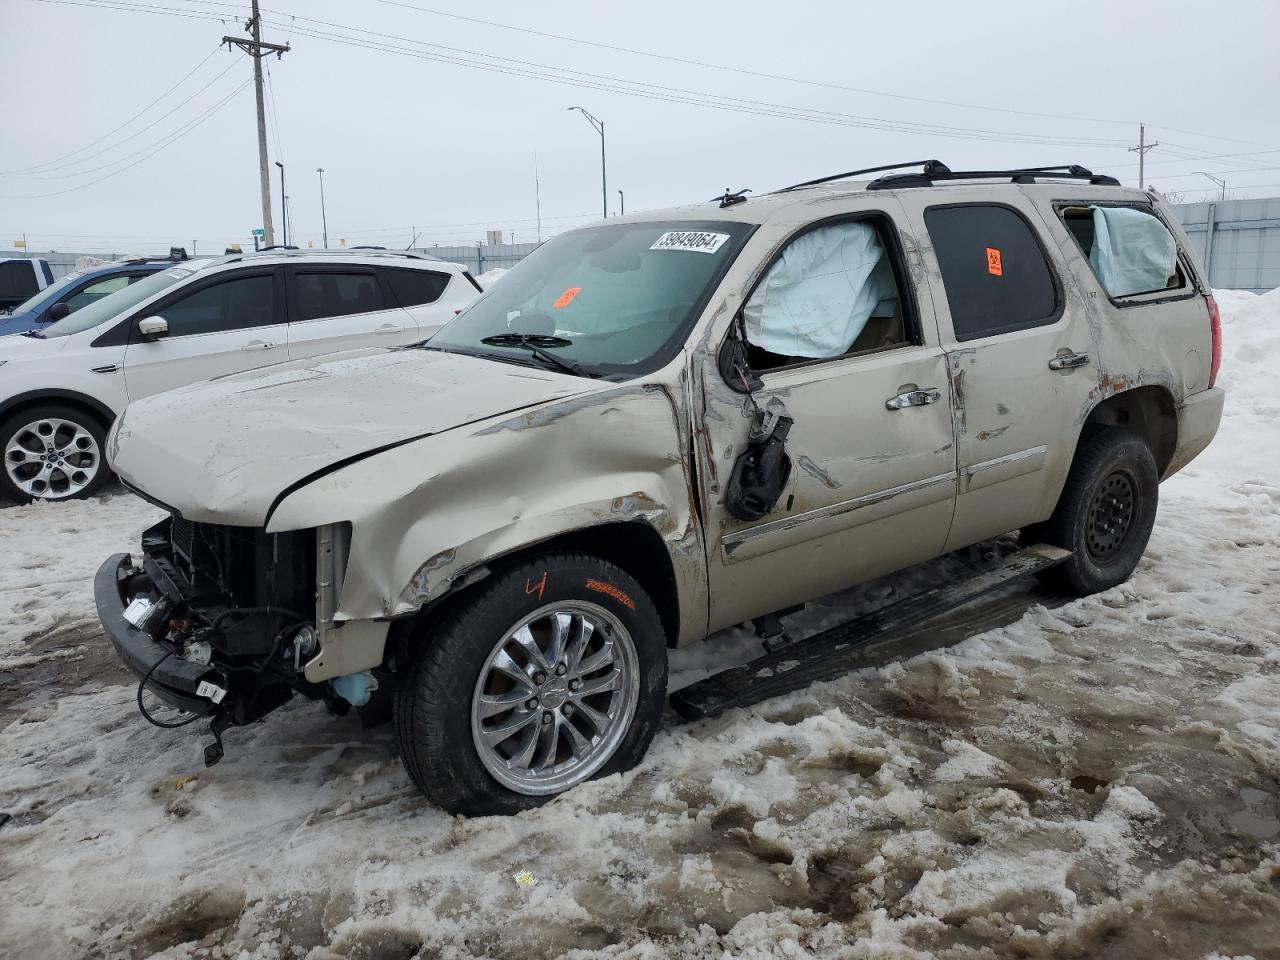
(54, 452)
(549, 674)
(1105, 514)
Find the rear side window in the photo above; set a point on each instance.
(413, 288)
(336, 294)
(235, 304)
(1130, 250)
(993, 268)
(17, 280)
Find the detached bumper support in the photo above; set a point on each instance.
(174, 680)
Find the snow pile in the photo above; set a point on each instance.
(1097, 779)
(490, 277)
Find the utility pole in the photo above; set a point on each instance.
(537, 194)
(1141, 150)
(324, 224)
(604, 186)
(257, 49)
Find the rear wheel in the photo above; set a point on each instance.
(1105, 514)
(551, 673)
(52, 452)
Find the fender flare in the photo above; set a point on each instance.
(105, 413)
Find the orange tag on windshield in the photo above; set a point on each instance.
(567, 297)
(993, 262)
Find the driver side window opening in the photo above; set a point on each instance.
(832, 292)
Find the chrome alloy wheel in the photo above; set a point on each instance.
(555, 698)
(52, 458)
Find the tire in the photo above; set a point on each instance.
(1105, 514)
(29, 439)
(458, 697)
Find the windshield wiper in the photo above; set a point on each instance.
(534, 343)
(34, 333)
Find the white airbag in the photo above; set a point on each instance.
(1133, 252)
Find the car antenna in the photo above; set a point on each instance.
(729, 199)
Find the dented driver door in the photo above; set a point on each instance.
(873, 479)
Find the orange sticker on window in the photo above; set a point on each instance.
(993, 262)
(567, 297)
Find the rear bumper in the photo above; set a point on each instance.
(173, 679)
(1198, 420)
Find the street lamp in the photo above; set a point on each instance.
(622, 204)
(604, 188)
(284, 214)
(324, 224)
(1218, 180)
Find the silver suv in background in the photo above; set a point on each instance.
(653, 428)
(62, 386)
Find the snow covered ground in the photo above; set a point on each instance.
(1095, 780)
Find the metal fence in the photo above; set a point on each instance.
(1238, 241)
(482, 257)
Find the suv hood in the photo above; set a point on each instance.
(226, 450)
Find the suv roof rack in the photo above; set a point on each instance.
(291, 251)
(934, 171)
(854, 173)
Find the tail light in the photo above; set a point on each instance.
(1215, 330)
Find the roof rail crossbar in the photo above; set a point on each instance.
(926, 178)
(936, 165)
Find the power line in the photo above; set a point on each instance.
(173, 138)
(91, 143)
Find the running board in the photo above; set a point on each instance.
(830, 653)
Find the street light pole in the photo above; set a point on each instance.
(622, 204)
(324, 224)
(1218, 180)
(604, 185)
(284, 222)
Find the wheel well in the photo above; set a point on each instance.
(633, 545)
(1148, 412)
(101, 415)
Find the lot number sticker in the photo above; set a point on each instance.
(690, 241)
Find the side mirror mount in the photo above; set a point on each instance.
(732, 360)
(59, 311)
(153, 327)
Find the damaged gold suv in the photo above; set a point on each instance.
(649, 430)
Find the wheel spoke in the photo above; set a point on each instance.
(578, 743)
(598, 719)
(600, 658)
(586, 629)
(504, 731)
(524, 637)
(492, 704)
(524, 755)
(560, 624)
(504, 665)
(601, 684)
(548, 743)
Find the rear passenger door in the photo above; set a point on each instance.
(1022, 359)
(339, 307)
(431, 297)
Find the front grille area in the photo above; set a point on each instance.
(229, 566)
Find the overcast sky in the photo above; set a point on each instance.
(409, 140)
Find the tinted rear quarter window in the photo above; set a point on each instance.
(413, 288)
(334, 294)
(993, 269)
(17, 280)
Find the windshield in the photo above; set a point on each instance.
(612, 299)
(48, 295)
(116, 303)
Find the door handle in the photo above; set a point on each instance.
(913, 398)
(258, 345)
(389, 328)
(1069, 361)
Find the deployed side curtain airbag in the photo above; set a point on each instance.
(1133, 252)
(820, 293)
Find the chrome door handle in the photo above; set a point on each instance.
(258, 345)
(389, 328)
(1069, 361)
(913, 398)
